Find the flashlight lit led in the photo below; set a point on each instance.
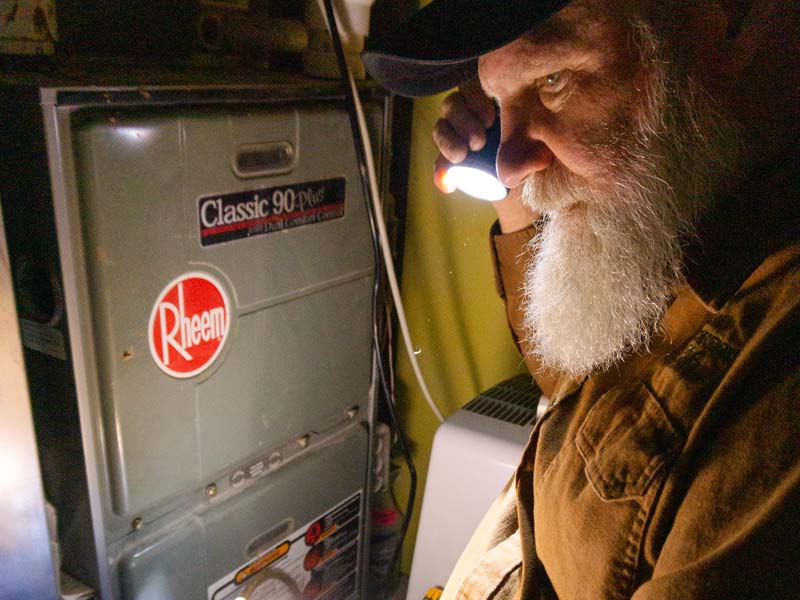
(476, 175)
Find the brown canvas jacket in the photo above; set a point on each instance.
(675, 475)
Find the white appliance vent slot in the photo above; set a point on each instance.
(511, 401)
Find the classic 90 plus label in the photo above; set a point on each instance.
(228, 217)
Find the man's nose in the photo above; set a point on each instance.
(522, 153)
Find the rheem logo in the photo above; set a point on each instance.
(189, 324)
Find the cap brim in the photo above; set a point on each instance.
(438, 48)
(415, 77)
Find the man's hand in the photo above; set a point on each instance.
(466, 115)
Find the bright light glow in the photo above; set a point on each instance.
(443, 182)
(476, 183)
(136, 134)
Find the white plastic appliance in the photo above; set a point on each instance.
(474, 454)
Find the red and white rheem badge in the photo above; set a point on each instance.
(189, 324)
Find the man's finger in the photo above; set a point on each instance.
(464, 122)
(479, 103)
(450, 144)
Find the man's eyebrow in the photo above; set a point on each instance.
(553, 41)
(553, 31)
(558, 31)
(548, 57)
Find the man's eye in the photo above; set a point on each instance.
(554, 82)
(553, 79)
(555, 89)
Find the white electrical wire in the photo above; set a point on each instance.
(384, 241)
(387, 258)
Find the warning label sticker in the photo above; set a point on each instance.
(257, 212)
(316, 562)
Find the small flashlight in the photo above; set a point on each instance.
(476, 175)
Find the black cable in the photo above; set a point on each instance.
(362, 161)
(412, 472)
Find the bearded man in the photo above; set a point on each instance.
(649, 257)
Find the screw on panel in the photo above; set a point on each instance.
(137, 523)
(304, 441)
(211, 490)
(352, 413)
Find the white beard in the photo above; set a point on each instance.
(598, 285)
(608, 260)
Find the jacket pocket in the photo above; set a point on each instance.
(627, 442)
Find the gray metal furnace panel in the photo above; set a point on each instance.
(183, 560)
(146, 173)
(305, 364)
(298, 349)
(283, 262)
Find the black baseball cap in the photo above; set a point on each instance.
(439, 46)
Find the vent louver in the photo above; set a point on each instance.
(514, 400)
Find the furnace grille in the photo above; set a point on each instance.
(514, 401)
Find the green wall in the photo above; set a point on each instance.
(456, 319)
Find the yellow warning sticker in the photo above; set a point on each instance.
(319, 568)
(434, 593)
(262, 563)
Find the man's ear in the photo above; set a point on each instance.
(727, 33)
(753, 27)
(707, 20)
(707, 34)
(737, 11)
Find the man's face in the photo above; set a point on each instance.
(620, 154)
(568, 83)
